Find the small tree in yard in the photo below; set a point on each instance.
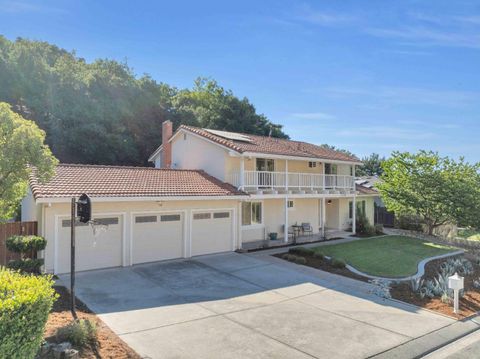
(437, 189)
(21, 146)
(27, 247)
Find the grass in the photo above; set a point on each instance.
(390, 256)
(469, 234)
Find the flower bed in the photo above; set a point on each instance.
(108, 345)
(469, 303)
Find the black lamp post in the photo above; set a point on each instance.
(82, 207)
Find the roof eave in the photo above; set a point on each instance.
(67, 199)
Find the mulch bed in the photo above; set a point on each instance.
(469, 303)
(109, 345)
(324, 264)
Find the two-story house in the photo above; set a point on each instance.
(210, 192)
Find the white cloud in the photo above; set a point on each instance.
(429, 37)
(408, 95)
(15, 7)
(387, 133)
(307, 14)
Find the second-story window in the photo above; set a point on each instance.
(330, 169)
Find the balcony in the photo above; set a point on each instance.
(282, 182)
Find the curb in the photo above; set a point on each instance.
(419, 347)
(420, 268)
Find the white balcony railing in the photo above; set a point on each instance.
(289, 181)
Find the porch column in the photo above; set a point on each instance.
(285, 235)
(324, 216)
(286, 176)
(323, 176)
(242, 173)
(354, 214)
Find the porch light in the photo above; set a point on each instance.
(455, 282)
(329, 201)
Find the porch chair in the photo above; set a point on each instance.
(307, 228)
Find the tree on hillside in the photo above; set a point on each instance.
(21, 146)
(372, 165)
(209, 105)
(437, 189)
(101, 113)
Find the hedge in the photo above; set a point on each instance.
(26, 265)
(24, 244)
(25, 301)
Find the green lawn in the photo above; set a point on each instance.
(469, 234)
(391, 256)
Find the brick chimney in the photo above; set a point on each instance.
(167, 132)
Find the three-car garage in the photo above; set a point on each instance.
(154, 236)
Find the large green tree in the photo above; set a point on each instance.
(438, 189)
(21, 147)
(102, 113)
(372, 165)
(211, 106)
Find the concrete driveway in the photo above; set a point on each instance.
(248, 306)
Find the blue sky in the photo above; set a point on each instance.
(369, 76)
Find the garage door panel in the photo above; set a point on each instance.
(212, 232)
(157, 237)
(102, 250)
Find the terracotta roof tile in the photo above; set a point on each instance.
(119, 181)
(274, 146)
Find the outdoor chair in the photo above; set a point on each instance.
(307, 228)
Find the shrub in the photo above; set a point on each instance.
(319, 255)
(363, 226)
(338, 263)
(416, 284)
(25, 244)
(379, 229)
(302, 251)
(25, 302)
(445, 298)
(80, 333)
(408, 222)
(300, 260)
(26, 265)
(289, 257)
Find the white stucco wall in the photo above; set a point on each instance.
(191, 152)
(29, 208)
(125, 210)
(304, 210)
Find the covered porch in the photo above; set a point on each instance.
(296, 220)
(330, 234)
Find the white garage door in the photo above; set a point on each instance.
(157, 237)
(212, 232)
(92, 251)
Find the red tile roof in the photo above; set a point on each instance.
(274, 146)
(119, 181)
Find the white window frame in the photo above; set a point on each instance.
(292, 207)
(254, 225)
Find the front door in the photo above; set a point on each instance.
(265, 168)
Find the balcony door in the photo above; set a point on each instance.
(331, 178)
(265, 168)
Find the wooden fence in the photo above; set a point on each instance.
(11, 229)
(382, 216)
